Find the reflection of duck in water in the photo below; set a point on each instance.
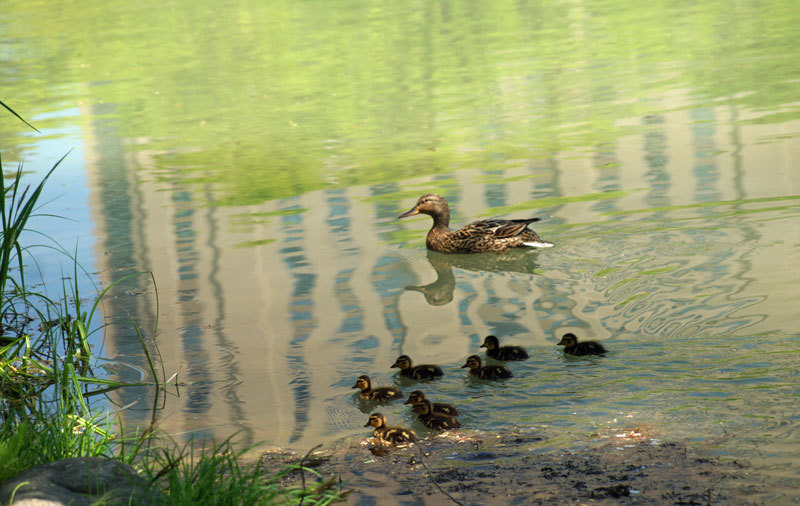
(573, 347)
(440, 292)
(479, 236)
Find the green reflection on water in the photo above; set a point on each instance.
(273, 99)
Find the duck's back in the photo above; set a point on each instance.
(508, 353)
(422, 372)
(439, 422)
(587, 348)
(490, 372)
(444, 409)
(494, 235)
(396, 435)
(382, 394)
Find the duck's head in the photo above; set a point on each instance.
(363, 382)
(415, 397)
(569, 339)
(430, 204)
(490, 343)
(423, 408)
(473, 362)
(377, 420)
(403, 362)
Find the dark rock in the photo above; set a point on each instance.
(615, 491)
(77, 482)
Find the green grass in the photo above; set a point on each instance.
(52, 401)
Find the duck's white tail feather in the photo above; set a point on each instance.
(539, 244)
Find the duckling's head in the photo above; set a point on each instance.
(415, 397)
(423, 408)
(473, 362)
(569, 339)
(490, 343)
(363, 382)
(430, 204)
(377, 420)
(403, 362)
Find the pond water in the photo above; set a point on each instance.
(254, 156)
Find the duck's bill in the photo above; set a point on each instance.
(411, 212)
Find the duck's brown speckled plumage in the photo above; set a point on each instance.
(392, 435)
(479, 236)
(417, 372)
(376, 394)
(497, 352)
(487, 372)
(417, 397)
(435, 421)
(572, 347)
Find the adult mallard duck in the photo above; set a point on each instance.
(497, 352)
(486, 372)
(417, 397)
(376, 394)
(431, 420)
(418, 372)
(393, 435)
(572, 347)
(486, 235)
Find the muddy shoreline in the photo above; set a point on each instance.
(484, 468)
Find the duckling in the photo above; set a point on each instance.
(486, 235)
(573, 347)
(417, 397)
(486, 372)
(431, 420)
(376, 394)
(392, 435)
(418, 372)
(497, 352)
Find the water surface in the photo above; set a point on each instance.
(255, 155)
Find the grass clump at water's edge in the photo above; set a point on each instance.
(48, 389)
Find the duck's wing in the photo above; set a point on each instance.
(498, 229)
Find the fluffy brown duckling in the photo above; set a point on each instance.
(418, 372)
(392, 435)
(486, 372)
(572, 347)
(417, 397)
(497, 352)
(431, 420)
(376, 394)
(487, 235)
